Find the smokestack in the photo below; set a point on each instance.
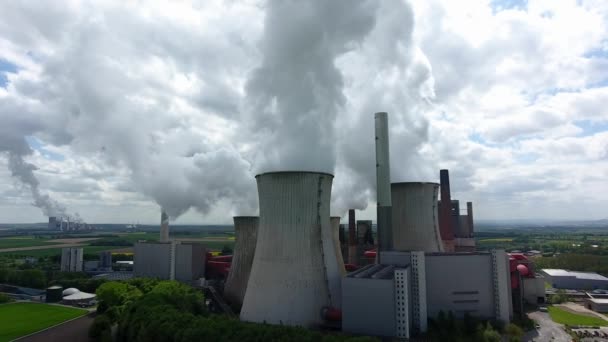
(291, 280)
(470, 218)
(164, 227)
(352, 237)
(383, 181)
(445, 215)
(246, 229)
(415, 224)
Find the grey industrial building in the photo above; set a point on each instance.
(563, 279)
(394, 299)
(71, 259)
(180, 261)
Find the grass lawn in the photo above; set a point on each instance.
(19, 319)
(564, 317)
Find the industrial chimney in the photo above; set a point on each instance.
(290, 276)
(415, 221)
(164, 227)
(352, 238)
(470, 218)
(445, 212)
(245, 228)
(383, 181)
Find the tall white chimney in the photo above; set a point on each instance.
(383, 181)
(164, 227)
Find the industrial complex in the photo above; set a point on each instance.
(296, 265)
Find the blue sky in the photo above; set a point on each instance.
(5, 67)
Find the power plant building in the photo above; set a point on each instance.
(246, 228)
(180, 261)
(394, 299)
(71, 259)
(563, 279)
(291, 279)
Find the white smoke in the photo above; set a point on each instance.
(297, 92)
(193, 110)
(16, 149)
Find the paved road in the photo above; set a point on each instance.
(73, 331)
(548, 331)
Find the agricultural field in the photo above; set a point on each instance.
(562, 316)
(20, 319)
(28, 241)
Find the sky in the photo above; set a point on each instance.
(111, 110)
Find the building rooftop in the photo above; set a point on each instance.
(579, 275)
(599, 300)
(374, 271)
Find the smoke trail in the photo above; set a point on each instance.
(24, 172)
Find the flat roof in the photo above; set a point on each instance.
(599, 300)
(553, 272)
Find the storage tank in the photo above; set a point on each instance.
(245, 228)
(289, 280)
(54, 294)
(415, 219)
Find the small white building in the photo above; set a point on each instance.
(564, 279)
(597, 304)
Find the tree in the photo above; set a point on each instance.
(514, 332)
(114, 294)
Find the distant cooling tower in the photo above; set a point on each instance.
(164, 227)
(415, 220)
(290, 282)
(335, 228)
(245, 228)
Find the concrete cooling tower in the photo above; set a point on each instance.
(246, 228)
(291, 276)
(335, 228)
(415, 220)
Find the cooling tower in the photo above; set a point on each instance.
(445, 212)
(164, 227)
(383, 184)
(290, 282)
(246, 228)
(415, 221)
(335, 227)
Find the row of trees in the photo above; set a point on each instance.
(146, 310)
(36, 278)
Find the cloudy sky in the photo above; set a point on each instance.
(114, 109)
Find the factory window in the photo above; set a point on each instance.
(466, 301)
(465, 292)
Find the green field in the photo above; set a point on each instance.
(24, 242)
(37, 253)
(495, 240)
(564, 317)
(19, 319)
